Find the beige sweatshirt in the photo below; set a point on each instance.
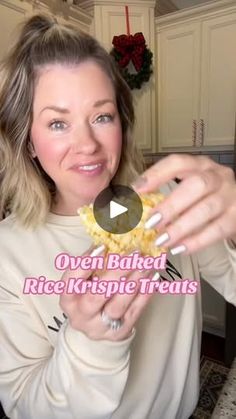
(49, 370)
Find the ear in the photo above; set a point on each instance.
(31, 149)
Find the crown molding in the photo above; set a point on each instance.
(213, 7)
(89, 5)
(63, 9)
(164, 7)
(19, 6)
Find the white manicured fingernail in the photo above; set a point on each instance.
(178, 249)
(153, 220)
(156, 276)
(133, 252)
(98, 250)
(162, 239)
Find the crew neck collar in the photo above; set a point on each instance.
(69, 220)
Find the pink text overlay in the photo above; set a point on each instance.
(112, 261)
(108, 288)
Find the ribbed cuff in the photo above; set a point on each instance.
(99, 353)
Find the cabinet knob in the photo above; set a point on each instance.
(194, 132)
(200, 139)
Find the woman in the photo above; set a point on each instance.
(65, 120)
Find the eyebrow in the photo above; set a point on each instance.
(96, 104)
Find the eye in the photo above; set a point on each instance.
(57, 125)
(104, 118)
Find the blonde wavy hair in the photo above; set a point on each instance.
(25, 189)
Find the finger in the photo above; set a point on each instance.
(135, 309)
(118, 305)
(189, 192)
(194, 219)
(96, 328)
(219, 229)
(91, 252)
(130, 318)
(68, 300)
(170, 167)
(92, 302)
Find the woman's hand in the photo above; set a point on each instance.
(84, 310)
(202, 208)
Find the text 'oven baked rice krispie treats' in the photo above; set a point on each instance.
(137, 239)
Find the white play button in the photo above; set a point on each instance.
(116, 209)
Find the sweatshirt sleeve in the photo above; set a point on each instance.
(77, 379)
(217, 265)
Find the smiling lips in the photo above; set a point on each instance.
(93, 169)
(90, 167)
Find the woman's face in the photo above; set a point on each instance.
(76, 132)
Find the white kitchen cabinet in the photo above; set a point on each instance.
(13, 12)
(178, 90)
(64, 13)
(196, 70)
(109, 20)
(218, 81)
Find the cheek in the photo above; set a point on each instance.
(116, 146)
(47, 151)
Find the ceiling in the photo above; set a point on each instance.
(181, 4)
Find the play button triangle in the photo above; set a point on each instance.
(116, 209)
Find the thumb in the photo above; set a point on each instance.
(80, 272)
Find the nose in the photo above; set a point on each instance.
(84, 140)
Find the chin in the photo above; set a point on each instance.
(90, 198)
(87, 192)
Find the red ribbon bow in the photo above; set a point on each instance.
(131, 47)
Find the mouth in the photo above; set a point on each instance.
(89, 168)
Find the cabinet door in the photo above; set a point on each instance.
(12, 13)
(218, 91)
(111, 21)
(178, 84)
(64, 13)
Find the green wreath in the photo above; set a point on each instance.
(132, 49)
